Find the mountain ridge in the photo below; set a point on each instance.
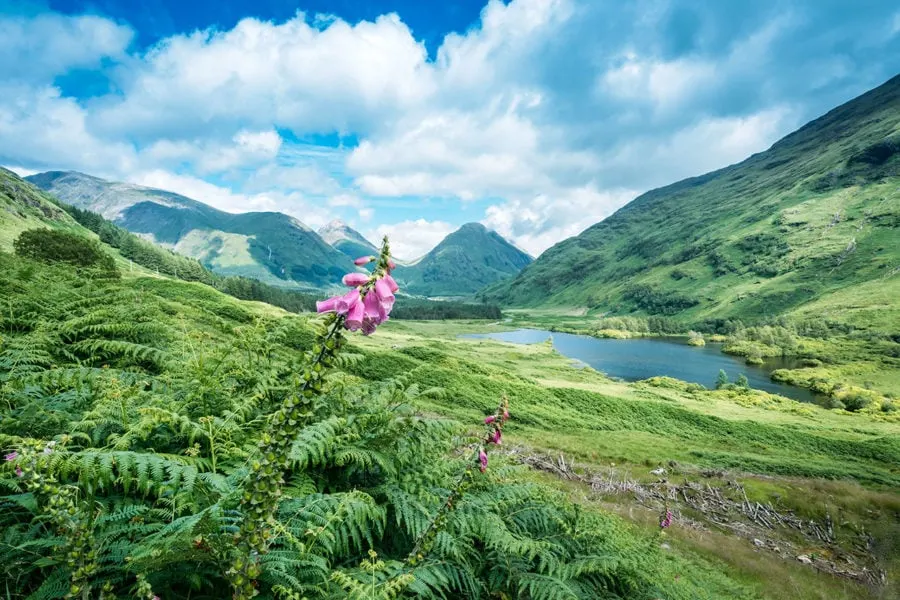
(270, 246)
(807, 218)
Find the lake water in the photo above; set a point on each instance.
(642, 358)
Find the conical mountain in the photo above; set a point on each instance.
(464, 262)
(269, 246)
(344, 238)
(809, 226)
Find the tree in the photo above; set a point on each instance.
(722, 379)
(743, 382)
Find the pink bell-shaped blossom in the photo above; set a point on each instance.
(392, 285)
(355, 279)
(19, 471)
(482, 459)
(355, 316)
(391, 265)
(383, 290)
(347, 301)
(328, 305)
(497, 438)
(374, 308)
(11, 456)
(363, 260)
(489, 420)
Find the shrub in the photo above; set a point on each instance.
(54, 246)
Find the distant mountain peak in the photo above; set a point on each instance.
(465, 261)
(344, 238)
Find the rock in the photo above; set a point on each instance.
(758, 543)
(804, 559)
(659, 471)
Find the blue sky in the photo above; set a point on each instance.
(535, 117)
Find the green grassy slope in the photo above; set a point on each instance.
(156, 394)
(464, 262)
(268, 246)
(809, 226)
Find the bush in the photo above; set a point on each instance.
(52, 246)
(857, 400)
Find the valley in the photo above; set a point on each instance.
(177, 420)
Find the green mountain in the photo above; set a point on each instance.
(268, 246)
(809, 226)
(463, 263)
(345, 239)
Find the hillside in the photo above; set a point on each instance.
(808, 227)
(347, 240)
(269, 246)
(23, 207)
(464, 262)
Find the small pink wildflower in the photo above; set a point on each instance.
(363, 260)
(505, 415)
(666, 520)
(489, 420)
(11, 456)
(497, 438)
(18, 471)
(483, 460)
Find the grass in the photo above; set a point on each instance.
(800, 457)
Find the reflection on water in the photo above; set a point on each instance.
(641, 358)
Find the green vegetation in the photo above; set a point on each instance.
(463, 263)
(803, 458)
(50, 245)
(136, 408)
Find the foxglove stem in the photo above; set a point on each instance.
(262, 490)
(479, 457)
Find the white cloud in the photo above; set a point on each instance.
(245, 149)
(551, 112)
(20, 171)
(412, 239)
(536, 223)
(41, 128)
(39, 47)
(338, 78)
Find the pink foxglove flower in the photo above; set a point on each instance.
(497, 437)
(363, 260)
(391, 265)
(482, 459)
(11, 456)
(489, 420)
(355, 315)
(18, 471)
(355, 279)
(505, 415)
(392, 285)
(375, 310)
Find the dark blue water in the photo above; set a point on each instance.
(642, 358)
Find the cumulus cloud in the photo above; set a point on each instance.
(37, 47)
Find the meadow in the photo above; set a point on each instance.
(164, 439)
